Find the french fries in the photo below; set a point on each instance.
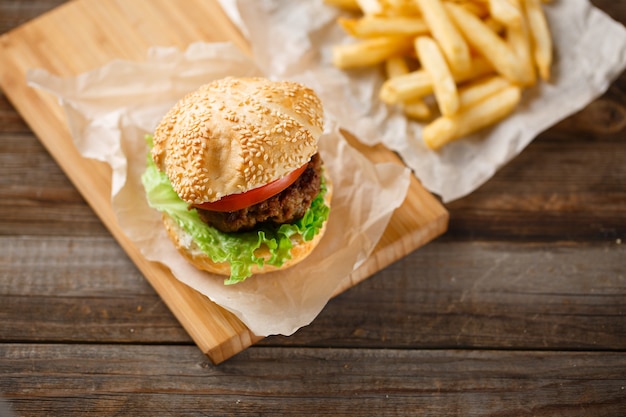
(415, 108)
(374, 26)
(443, 30)
(418, 84)
(396, 66)
(369, 51)
(486, 42)
(479, 90)
(474, 57)
(370, 7)
(518, 38)
(349, 5)
(471, 119)
(443, 83)
(507, 12)
(540, 34)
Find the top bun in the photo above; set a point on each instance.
(236, 134)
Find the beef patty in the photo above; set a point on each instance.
(287, 206)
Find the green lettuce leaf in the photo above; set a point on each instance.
(235, 248)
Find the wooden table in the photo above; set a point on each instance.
(518, 310)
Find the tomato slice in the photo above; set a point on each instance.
(236, 202)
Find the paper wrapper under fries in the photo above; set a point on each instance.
(486, 105)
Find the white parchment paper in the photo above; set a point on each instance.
(109, 111)
(291, 38)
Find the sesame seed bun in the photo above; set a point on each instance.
(190, 250)
(236, 134)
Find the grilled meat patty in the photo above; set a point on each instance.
(285, 207)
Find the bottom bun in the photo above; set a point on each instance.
(190, 250)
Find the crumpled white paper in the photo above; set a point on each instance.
(109, 111)
(290, 38)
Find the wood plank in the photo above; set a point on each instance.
(87, 380)
(81, 35)
(490, 295)
(522, 296)
(15, 13)
(565, 189)
(10, 119)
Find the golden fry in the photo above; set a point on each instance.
(417, 110)
(418, 84)
(350, 5)
(486, 42)
(400, 8)
(396, 66)
(540, 35)
(371, 7)
(479, 66)
(454, 47)
(471, 119)
(434, 63)
(507, 12)
(413, 85)
(376, 26)
(480, 9)
(369, 52)
(494, 25)
(479, 90)
(518, 38)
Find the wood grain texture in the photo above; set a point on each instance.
(510, 313)
(398, 383)
(531, 296)
(15, 13)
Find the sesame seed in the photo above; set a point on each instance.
(270, 127)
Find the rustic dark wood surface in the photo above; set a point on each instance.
(518, 310)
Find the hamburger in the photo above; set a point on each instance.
(235, 171)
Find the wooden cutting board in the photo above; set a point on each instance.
(85, 34)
